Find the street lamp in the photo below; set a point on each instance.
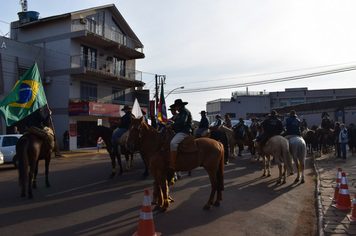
(173, 90)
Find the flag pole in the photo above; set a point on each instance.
(56, 147)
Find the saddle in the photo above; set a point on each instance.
(123, 138)
(46, 133)
(187, 145)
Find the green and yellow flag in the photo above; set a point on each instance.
(25, 97)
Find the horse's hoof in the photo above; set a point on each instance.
(206, 207)
(23, 194)
(269, 175)
(264, 174)
(296, 180)
(171, 199)
(217, 203)
(302, 181)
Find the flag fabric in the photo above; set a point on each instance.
(25, 97)
(162, 112)
(136, 109)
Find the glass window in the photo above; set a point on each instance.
(88, 56)
(117, 95)
(296, 101)
(9, 141)
(88, 91)
(119, 66)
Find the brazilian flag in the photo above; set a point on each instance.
(25, 97)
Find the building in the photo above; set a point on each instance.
(254, 104)
(89, 67)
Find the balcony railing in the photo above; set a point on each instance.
(101, 30)
(112, 67)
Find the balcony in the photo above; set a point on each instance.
(108, 39)
(110, 70)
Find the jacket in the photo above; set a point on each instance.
(272, 125)
(38, 120)
(183, 122)
(204, 122)
(343, 136)
(126, 120)
(293, 125)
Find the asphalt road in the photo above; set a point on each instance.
(82, 200)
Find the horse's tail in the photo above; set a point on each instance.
(287, 156)
(21, 153)
(302, 153)
(220, 173)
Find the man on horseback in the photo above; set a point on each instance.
(239, 129)
(292, 124)
(271, 126)
(227, 121)
(36, 119)
(123, 127)
(203, 125)
(326, 123)
(218, 121)
(182, 127)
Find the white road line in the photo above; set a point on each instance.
(73, 189)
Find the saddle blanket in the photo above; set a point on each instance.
(46, 133)
(187, 145)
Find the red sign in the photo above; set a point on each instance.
(78, 108)
(104, 109)
(73, 130)
(114, 120)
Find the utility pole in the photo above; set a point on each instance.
(160, 80)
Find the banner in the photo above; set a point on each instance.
(25, 97)
(162, 112)
(136, 109)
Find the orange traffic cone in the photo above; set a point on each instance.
(343, 200)
(353, 216)
(146, 226)
(337, 187)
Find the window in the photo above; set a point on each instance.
(117, 34)
(88, 91)
(296, 101)
(119, 66)
(117, 94)
(88, 56)
(283, 104)
(9, 141)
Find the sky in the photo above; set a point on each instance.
(214, 48)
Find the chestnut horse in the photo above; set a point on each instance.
(278, 147)
(31, 148)
(106, 134)
(209, 154)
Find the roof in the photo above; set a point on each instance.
(319, 107)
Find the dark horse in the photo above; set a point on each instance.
(106, 134)
(209, 154)
(31, 148)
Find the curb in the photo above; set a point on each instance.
(318, 201)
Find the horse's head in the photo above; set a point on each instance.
(135, 130)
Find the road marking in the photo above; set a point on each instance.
(73, 189)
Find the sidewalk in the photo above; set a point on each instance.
(333, 221)
(80, 152)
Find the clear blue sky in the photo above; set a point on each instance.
(203, 44)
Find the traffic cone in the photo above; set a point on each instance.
(146, 226)
(353, 216)
(337, 187)
(343, 200)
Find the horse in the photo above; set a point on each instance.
(106, 134)
(209, 153)
(298, 151)
(324, 139)
(221, 137)
(310, 140)
(30, 148)
(232, 141)
(251, 144)
(278, 147)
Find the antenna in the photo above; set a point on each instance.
(23, 4)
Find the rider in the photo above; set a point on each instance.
(218, 121)
(203, 125)
(123, 127)
(271, 126)
(227, 121)
(254, 126)
(292, 124)
(325, 123)
(239, 128)
(304, 124)
(36, 119)
(182, 127)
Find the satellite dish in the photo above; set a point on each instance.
(23, 4)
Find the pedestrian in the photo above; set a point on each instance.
(227, 121)
(15, 130)
(292, 124)
(304, 125)
(124, 125)
(336, 139)
(352, 138)
(343, 140)
(182, 127)
(203, 125)
(66, 140)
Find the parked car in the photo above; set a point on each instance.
(1, 158)
(234, 122)
(8, 148)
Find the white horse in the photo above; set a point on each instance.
(298, 151)
(278, 147)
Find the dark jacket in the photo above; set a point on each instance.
(272, 126)
(293, 125)
(38, 120)
(183, 122)
(126, 120)
(326, 124)
(204, 123)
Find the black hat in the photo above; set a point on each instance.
(240, 119)
(202, 112)
(292, 113)
(126, 107)
(171, 107)
(217, 116)
(273, 113)
(179, 102)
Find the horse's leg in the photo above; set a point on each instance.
(132, 159)
(145, 174)
(297, 164)
(34, 179)
(241, 146)
(232, 149)
(112, 157)
(302, 167)
(214, 187)
(165, 192)
(30, 176)
(47, 161)
(158, 191)
(127, 158)
(268, 164)
(264, 165)
(118, 157)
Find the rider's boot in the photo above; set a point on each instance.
(172, 165)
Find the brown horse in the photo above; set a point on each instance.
(278, 147)
(31, 148)
(209, 154)
(252, 146)
(232, 141)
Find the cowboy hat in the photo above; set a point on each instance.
(179, 102)
(292, 113)
(217, 116)
(273, 113)
(171, 107)
(202, 112)
(126, 107)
